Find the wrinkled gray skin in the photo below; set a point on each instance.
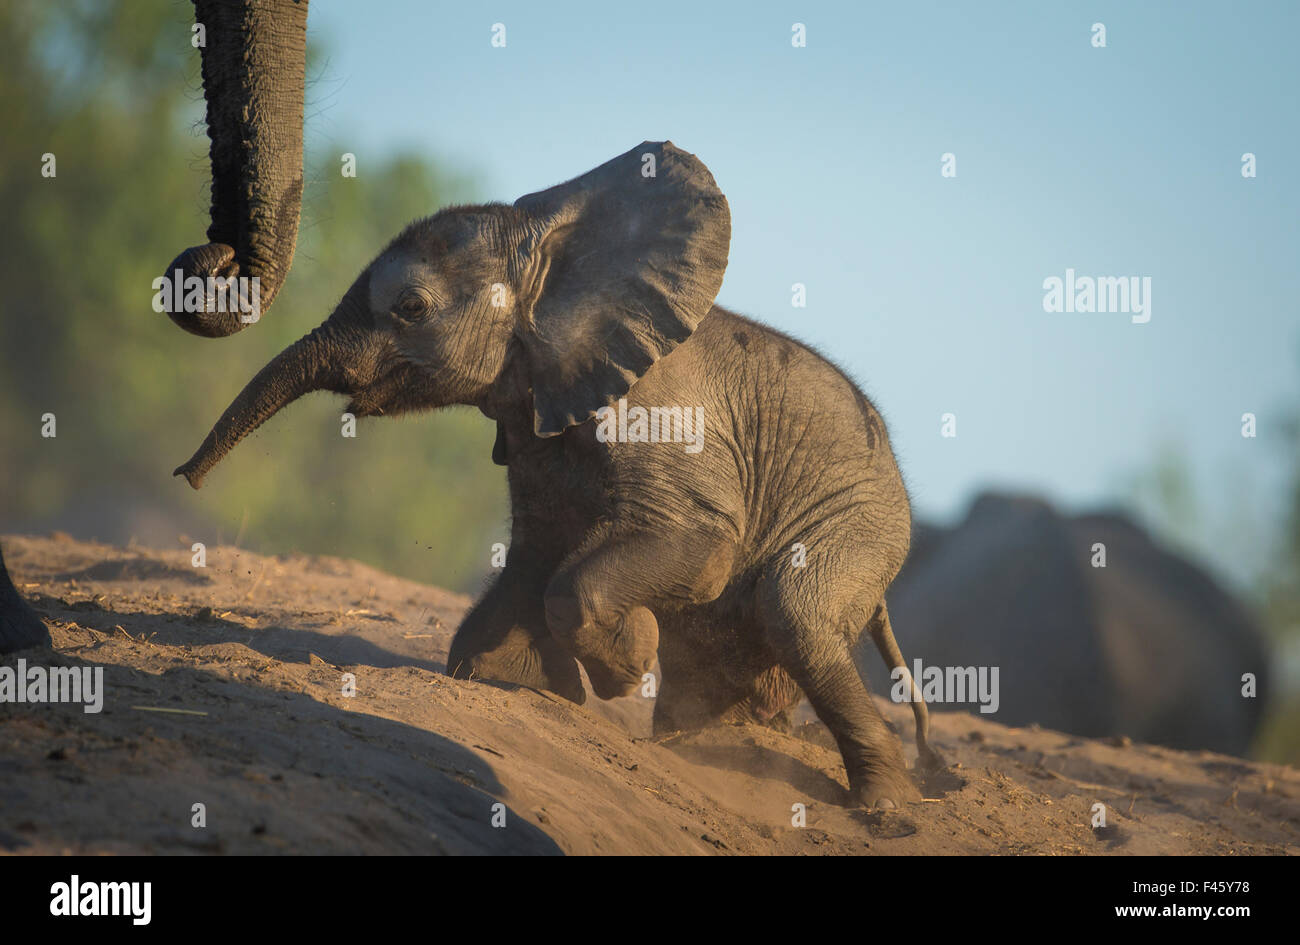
(253, 69)
(1148, 646)
(621, 550)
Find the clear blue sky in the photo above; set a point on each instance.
(1117, 161)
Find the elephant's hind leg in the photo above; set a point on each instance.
(882, 634)
(813, 648)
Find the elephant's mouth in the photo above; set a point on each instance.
(401, 389)
(364, 404)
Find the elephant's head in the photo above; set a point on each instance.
(254, 56)
(580, 288)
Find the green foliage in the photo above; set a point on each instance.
(112, 90)
(1280, 593)
(1282, 583)
(1268, 575)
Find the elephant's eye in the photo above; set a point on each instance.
(411, 306)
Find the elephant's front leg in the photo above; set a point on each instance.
(19, 625)
(599, 603)
(504, 637)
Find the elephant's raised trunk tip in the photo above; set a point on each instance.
(306, 365)
(192, 471)
(196, 468)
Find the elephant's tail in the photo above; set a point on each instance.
(882, 633)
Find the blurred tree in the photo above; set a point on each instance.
(1166, 495)
(111, 89)
(1282, 584)
(1280, 596)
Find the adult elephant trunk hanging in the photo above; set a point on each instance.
(254, 57)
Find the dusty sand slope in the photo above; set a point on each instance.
(415, 761)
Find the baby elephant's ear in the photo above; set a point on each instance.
(617, 268)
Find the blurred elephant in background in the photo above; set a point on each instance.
(1149, 646)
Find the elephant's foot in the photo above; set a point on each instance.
(618, 660)
(883, 790)
(20, 628)
(523, 660)
(617, 650)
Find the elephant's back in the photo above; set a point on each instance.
(810, 450)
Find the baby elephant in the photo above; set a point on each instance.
(683, 481)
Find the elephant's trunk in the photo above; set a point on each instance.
(314, 362)
(254, 62)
